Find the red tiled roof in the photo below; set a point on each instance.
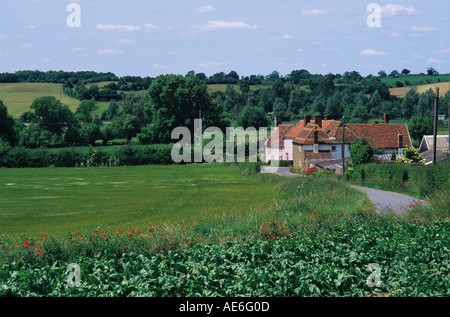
(383, 135)
(306, 136)
(296, 129)
(310, 155)
(283, 129)
(330, 127)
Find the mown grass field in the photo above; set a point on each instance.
(62, 200)
(18, 97)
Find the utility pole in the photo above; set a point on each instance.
(448, 119)
(436, 106)
(343, 146)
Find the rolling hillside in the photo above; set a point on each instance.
(19, 96)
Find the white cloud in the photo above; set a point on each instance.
(395, 35)
(76, 49)
(282, 37)
(28, 27)
(109, 52)
(150, 27)
(211, 64)
(370, 52)
(226, 25)
(117, 27)
(313, 12)
(444, 50)
(26, 46)
(300, 50)
(124, 42)
(330, 49)
(396, 9)
(206, 9)
(159, 66)
(433, 60)
(416, 28)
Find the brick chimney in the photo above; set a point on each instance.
(386, 118)
(400, 141)
(307, 119)
(316, 141)
(277, 121)
(318, 120)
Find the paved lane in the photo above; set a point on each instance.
(383, 200)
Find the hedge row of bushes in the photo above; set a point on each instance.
(417, 180)
(124, 155)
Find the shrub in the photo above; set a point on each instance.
(361, 152)
(125, 155)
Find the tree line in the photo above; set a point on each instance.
(172, 100)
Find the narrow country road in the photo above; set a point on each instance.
(383, 200)
(390, 201)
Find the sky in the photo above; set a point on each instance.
(251, 37)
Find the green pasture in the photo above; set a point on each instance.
(18, 97)
(416, 80)
(62, 200)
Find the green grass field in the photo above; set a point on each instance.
(62, 200)
(416, 80)
(18, 97)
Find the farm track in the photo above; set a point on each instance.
(384, 201)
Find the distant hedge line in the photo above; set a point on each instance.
(124, 155)
(417, 180)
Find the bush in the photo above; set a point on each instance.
(361, 152)
(126, 155)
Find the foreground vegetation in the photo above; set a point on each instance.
(413, 261)
(317, 239)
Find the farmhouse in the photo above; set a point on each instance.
(320, 142)
(288, 132)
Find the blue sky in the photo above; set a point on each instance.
(148, 38)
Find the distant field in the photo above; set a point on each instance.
(60, 200)
(443, 88)
(223, 87)
(400, 92)
(416, 80)
(18, 97)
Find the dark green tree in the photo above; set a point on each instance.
(419, 126)
(279, 107)
(85, 109)
(51, 115)
(176, 101)
(409, 102)
(7, 123)
(252, 117)
(361, 152)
